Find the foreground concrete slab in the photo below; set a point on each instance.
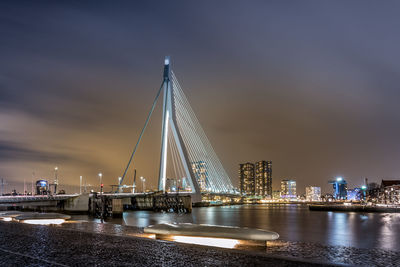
(212, 231)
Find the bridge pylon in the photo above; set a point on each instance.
(169, 122)
(184, 146)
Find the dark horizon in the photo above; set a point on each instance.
(312, 86)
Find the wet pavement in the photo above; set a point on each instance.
(93, 244)
(279, 248)
(334, 254)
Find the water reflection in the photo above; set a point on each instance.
(390, 225)
(292, 222)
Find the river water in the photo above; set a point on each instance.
(293, 223)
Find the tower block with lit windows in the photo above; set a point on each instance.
(256, 179)
(263, 178)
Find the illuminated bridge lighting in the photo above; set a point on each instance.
(207, 241)
(44, 221)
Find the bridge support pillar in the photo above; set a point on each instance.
(77, 204)
(117, 207)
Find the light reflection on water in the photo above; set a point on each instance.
(390, 225)
(292, 222)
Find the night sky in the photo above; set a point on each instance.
(311, 85)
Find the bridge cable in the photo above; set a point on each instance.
(202, 149)
(141, 133)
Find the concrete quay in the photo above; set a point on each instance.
(35, 245)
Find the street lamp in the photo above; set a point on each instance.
(80, 185)
(119, 184)
(143, 183)
(101, 183)
(55, 180)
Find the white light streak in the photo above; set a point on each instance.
(44, 221)
(207, 241)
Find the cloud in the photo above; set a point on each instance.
(311, 86)
(11, 151)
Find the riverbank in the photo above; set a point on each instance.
(35, 245)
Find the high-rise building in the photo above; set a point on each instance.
(263, 178)
(288, 189)
(246, 179)
(200, 172)
(355, 194)
(313, 193)
(339, 188)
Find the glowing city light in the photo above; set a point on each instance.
(207, 241)
(7, 219)
(44, 221)
(339, 179)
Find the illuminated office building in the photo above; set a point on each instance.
(263, 178)
(184, 185)
(339, 188)
(288, 189)
(313, 193)
(200, 172)
(246, 179)
(276, 194)
(355, 194)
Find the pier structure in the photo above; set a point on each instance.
(100, 205)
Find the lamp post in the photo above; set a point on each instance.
(101, 183)
(80, 185)
(119, 184)
(55, 179)
(143, 183)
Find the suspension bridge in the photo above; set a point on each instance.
(188, 164)
(187, 158)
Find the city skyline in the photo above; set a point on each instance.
(201, 133)
(316, 94)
